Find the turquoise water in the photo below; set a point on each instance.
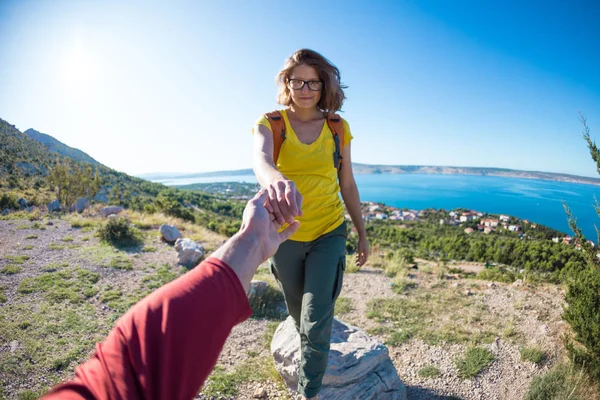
(536, 200)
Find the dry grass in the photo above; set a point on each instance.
(209, 239)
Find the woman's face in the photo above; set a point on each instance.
(305, 97)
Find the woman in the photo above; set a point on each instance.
(302, 182)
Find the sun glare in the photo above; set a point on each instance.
(78, 68)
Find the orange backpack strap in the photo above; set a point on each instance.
(336, 126)
(278, 128)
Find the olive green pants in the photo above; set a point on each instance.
(310, 275)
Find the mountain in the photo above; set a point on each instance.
(59, 147)
(448, 170)
(22, 155)
(404, 169)
(27, 160)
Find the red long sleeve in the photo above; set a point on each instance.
(166, 345)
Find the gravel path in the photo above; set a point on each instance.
(534, 312)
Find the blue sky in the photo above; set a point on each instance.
(176, 86)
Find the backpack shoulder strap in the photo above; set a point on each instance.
(336, 126)
(278, 128)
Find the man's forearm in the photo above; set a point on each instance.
(167, 344)
(243, 254)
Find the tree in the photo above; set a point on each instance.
(72, 180)
(583, 289)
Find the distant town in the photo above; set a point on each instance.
(371, 211)
(486, 223)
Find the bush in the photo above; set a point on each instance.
(270, 305)
(533, 354)
(119, 232)
(582, 314)
(475, 360)
(429, 371)
(8, 200)
(583, 290)
(564, 381)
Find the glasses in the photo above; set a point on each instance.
(298, 84)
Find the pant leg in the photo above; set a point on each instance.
(287, 265)
(324, 268)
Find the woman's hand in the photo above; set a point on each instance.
(259, 226)
(362, 253)
(284, 201)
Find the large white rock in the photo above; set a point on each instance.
(190, 252)
(169, 233)
(359, 366)
(111, 210)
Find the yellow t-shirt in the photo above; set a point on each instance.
(311, 168)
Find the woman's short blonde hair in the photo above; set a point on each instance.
(332, 94)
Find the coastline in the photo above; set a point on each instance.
(370, 169)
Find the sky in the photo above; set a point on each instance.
(148, 86)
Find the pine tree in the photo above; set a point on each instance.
(583, 288)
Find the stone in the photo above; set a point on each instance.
(14, 345)
(22, 202)
(111, 210)
(169, 233)
(82, 204)
(467, 292)
(54, 206)
(492, 285)
(260, 393)
(190, 252)
(359, 367)
(495, 346)
(257, 290)
(6, 211)
(518, 282)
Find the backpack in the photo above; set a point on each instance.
(333, 121)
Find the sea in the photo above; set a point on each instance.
(539, 201)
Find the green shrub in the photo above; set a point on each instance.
(343, 305)
(583, 289)
(398, 338)
(11, 269)
(8, 200)
(429, 371)
(533, 354)
(119, 232)
(475, 360)
(561, 382)
(270, 305)
(583, 298)
(497, 274)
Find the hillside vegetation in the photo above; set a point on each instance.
(27, 167)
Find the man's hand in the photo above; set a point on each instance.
(284, 201)
(258, 223)
(257, 240)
